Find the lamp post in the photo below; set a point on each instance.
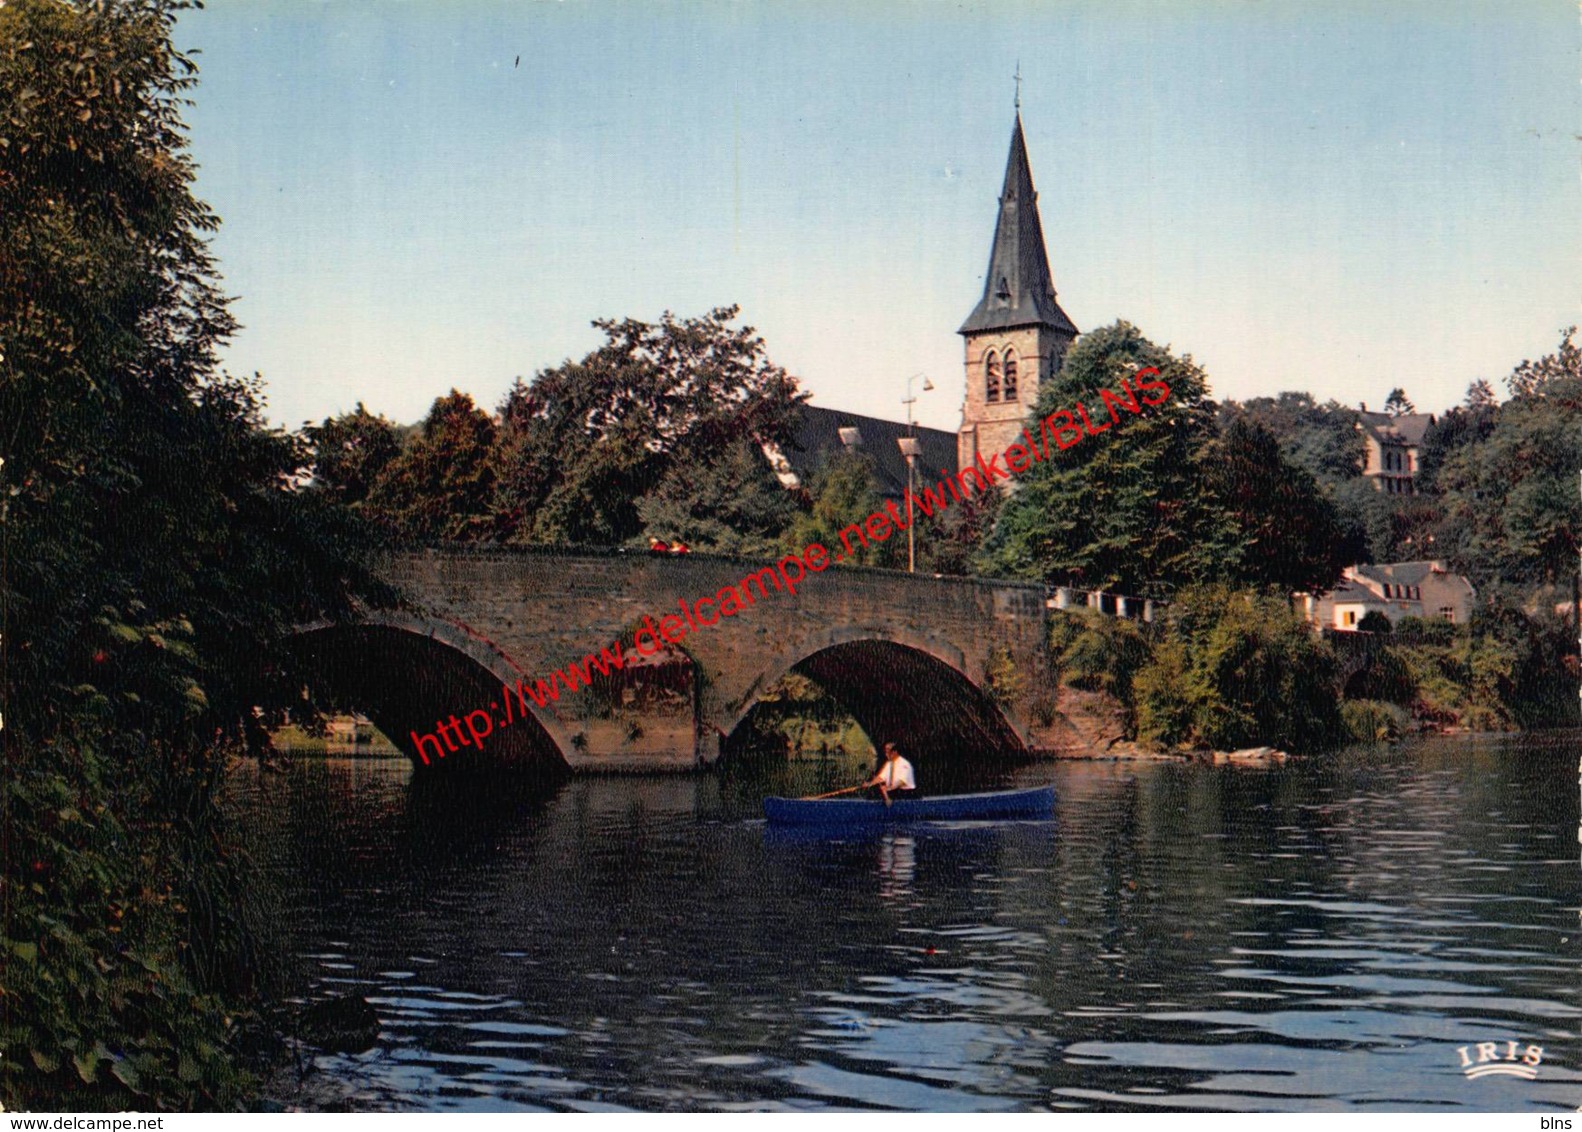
(911, 449)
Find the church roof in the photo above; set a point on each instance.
(1019, 289)
(819, 438)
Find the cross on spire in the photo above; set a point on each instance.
(1018, 77)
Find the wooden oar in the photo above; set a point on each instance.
(836, 793)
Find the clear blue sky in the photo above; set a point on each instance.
(1338, 197)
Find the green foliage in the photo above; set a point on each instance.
(1166, 499)
(442, 485)
(1469, 683)
(1455, 430)
(1374, 621)
(130, 942)
(797, 716)
(1388, 677)
(733, 504)
(350, 452)
(1124, 510)
(843, 494)
(1238, 669)
(1006, 683)
(1511, 511)
(1427, 630)
(157, 554)
(1098, 653)
(1324, 439)
(1373, 721)
(951, 542)
(1556, 370)
(1291, 535)
(1398, 403)
(655, 408)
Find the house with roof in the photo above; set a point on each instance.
(1423, 589)
(1392, 443)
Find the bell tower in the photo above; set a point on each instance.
(1017, 335)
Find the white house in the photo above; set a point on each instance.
(1395, 589)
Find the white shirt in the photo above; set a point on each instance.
(897, 775)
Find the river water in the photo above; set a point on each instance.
(1324, 934)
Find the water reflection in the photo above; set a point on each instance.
(1313, 935)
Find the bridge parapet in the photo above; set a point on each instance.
(947, 666)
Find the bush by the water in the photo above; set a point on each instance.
(1373, 721)
(1223, 668)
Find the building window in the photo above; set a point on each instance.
(1010, 375)
(1351, 617)
(991, 376)
(1447, 613)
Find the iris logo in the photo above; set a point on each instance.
(1491, 1061)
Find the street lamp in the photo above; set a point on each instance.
(911, 449)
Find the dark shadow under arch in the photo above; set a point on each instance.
(407, 675)
(907, 694)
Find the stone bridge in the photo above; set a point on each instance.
(948, 667)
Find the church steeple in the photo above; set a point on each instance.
(1019, 289)
(1017, 337)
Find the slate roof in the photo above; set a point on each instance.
(1406, 573)
(1349, 592)
(1409, 428)
(1019, 289)
(819, 438)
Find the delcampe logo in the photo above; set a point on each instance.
(1492, 1062)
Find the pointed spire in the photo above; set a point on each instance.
(1019, 289)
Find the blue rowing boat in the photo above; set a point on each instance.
(1000, 805)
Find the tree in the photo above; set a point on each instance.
(1398, 404)
(1374, 622)
(732, 504)
(1565, 364)
(1237, 669)
(951, 542)
(1324, 439)
(1511, 508)
(1291, 534)
(1480, 397)
(442, 486)
(1167, 499)
(156, 555)
(350, 451)
(584, 442)
(842, 494)
(1123, 510)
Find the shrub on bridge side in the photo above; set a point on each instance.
(1098, 653)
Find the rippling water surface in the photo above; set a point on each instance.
(1318, 935)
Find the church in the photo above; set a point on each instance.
(1016, 336)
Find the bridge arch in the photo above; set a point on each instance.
(407, 673)
(905, 687)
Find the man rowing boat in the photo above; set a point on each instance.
(895, 774)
